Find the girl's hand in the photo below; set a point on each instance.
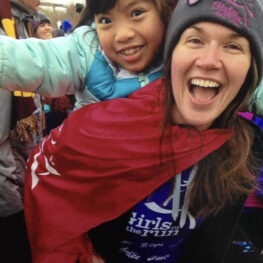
(96, 259)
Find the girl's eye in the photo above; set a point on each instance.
(137, 12)
(104, 20)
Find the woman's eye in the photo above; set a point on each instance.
(194, 41)
(233, 46)
(137, 12)
(104, 20)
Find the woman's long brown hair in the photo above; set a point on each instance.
(224, 176)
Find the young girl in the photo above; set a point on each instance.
(119, 53)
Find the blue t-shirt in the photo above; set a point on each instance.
(151, 234)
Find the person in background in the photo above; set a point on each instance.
(43, 28)
(67, 27)
(56, 109)
(165, 174)
(25, 13)
(20, 131)
(58, 33)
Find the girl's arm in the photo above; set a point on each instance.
(49, 67)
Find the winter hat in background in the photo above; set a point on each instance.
(39, 21)
(243, 16)
(66, 26)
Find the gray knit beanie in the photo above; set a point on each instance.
(243, 16)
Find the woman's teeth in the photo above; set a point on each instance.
(204, 90)
(205, 83)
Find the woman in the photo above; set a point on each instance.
(146, 187)
(43, 28)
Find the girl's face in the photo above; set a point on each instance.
(44, 31)
(209, 65)
(131, 33)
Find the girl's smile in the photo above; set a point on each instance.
(131, 33)
(132, 55)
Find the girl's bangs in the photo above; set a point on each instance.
(96, 7)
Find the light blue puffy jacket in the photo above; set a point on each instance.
(67, 65)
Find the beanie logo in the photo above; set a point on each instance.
(230, 11)
(192, 2)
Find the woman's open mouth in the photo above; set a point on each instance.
(204, 90)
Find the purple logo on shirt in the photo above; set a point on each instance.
(237, 11)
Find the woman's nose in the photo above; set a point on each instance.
(210, 57)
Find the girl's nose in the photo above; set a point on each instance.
(210, 57)
(124, 33)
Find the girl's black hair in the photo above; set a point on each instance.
(92, 8)
(96, 7)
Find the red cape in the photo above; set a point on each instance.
(103, 160)
(5, 9)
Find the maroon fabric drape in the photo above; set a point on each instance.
(5, 9)
(103, 160)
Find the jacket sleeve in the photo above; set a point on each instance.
(255, 101)
(11, 178)
(258, 150)
(49, 67)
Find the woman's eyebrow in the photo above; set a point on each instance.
(232, 35)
